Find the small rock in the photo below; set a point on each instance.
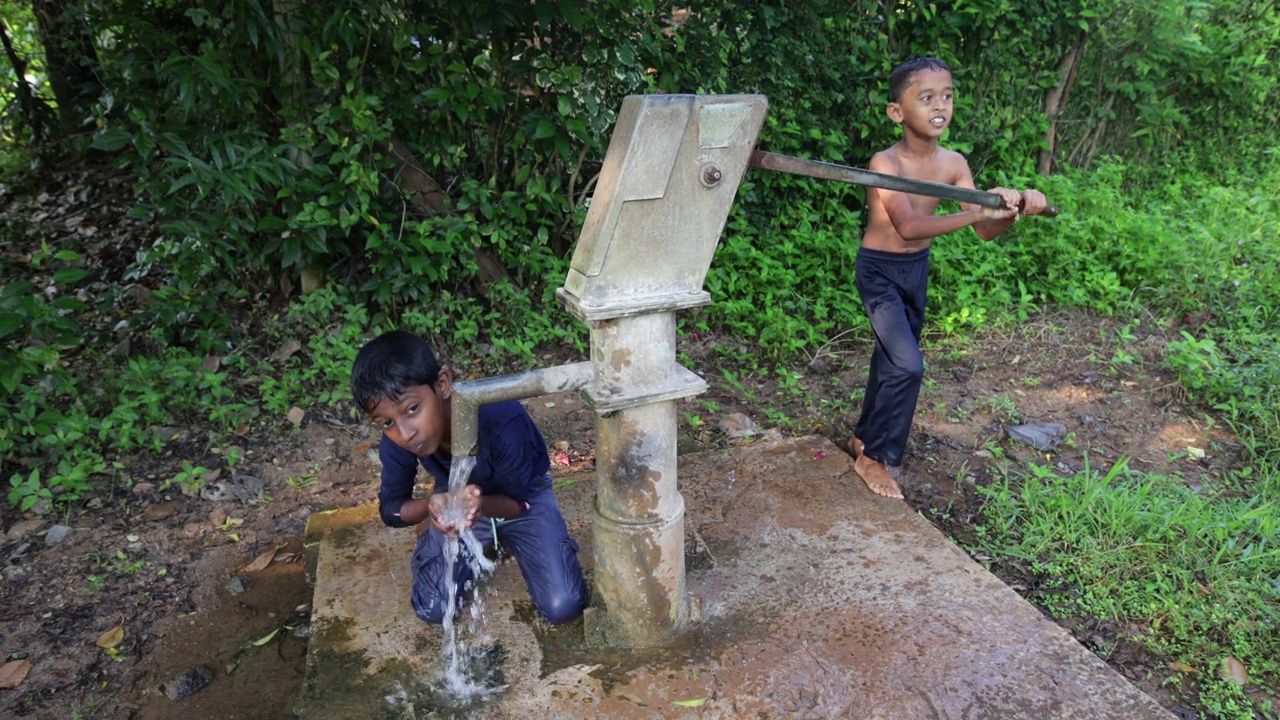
(23, 528)
(188, 682)
(562, 446)
(94, 503)
(235, 586)
(57, 534)
(329, 441)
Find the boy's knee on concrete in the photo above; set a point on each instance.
(562, 608)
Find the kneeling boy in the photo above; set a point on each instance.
(398, 381)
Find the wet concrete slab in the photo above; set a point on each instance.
(818, 600)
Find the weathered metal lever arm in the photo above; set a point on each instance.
(858, 176)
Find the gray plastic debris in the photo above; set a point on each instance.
(245, 488)
(1044, 437)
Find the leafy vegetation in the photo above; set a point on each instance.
(314, 173)
(1193, 569)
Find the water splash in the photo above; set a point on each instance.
(465, 677)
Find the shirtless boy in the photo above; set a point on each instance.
(892, 271)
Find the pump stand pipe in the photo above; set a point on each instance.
(469, 395)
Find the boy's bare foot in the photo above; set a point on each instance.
(877, 477)
(856, 446)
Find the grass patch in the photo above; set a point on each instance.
(1196, 571)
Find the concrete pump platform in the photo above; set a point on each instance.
(817, 600)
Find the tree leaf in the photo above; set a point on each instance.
(262, 561)
(111, 140)
(111, 638)
(1183, 667)
(1233, 671)
(286, 352)
(266, 638)
(69, 275)
(696, 702)
(13, 673)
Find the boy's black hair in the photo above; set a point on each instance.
(900, 78)
(390, 363)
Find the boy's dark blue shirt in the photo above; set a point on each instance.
(511, 460)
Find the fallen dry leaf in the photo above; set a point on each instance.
(13, 673)
(296, 414)
(1233, 671)
(1183, 667)
(697, 702)
(286, 352)
(265, 638)
(111, 638)
(218, 517)
(262, 561)
(157, 511)
(242, 430)
(738, 425)
(211, 363)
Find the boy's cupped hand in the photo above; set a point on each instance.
(451, 513)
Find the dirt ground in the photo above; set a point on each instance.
(170, 582)
(159, 564)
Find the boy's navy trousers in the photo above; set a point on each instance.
(893, 287)
(538, 538)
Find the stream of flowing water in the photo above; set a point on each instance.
(463, 683)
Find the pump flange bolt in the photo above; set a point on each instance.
(711, 175)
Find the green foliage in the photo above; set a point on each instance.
(1149, 551)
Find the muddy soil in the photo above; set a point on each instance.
(170, 582)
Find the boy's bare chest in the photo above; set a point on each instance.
(925, 171)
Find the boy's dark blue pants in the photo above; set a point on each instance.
(893, 287)
(538, 538)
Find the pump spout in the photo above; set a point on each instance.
(469, 395)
